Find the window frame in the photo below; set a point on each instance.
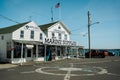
(41, 36)
(32, 34)
(59, 27)
(65, 37)
(59, 36)
(22, 34)
(53, 35)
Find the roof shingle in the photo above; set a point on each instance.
(10, 29)
(46, 26)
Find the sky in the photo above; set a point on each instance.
(73, 13)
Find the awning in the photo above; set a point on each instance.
(28, 42)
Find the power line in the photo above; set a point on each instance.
(8, 18)
(78, 28)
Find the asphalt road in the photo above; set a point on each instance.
(71, 69)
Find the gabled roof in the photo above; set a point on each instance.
(46, 26)
(10, 29)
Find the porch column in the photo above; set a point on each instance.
(56, 50)
(66, 51)
(71, 50)
(36, 51)
(60, 52)
(84, 53)
(21, 54)
(12, 51)
(26, 52)
(45, 53)
(77, 51)
(32, 53)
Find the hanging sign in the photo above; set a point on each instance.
(29, 46)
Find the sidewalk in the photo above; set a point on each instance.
(4, 66)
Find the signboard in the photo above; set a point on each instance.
(29, 46)
(28, 27)
(59, 31)
(59, 42)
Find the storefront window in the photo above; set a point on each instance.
(29, 53)
(8, 50)
(40, 51)
(17, 50)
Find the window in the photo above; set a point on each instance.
(8, 44)
(41, 36)
(40, 50)
(21, 34)
(59, 36)
(59, 27)
(17, 50)
(32, 35)
(2, 37)
(65, 37)
(53, 35)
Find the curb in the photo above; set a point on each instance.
(5, 66)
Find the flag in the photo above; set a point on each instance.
(57, 5)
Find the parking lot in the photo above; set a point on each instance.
(68, 69)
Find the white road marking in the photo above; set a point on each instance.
(39, 70)
(113, 74)
(10, 69)
(98, 62)
(27, 72)
(103, 71)
(93, 62)
(70, 69)
(116, 60)
(67, 76)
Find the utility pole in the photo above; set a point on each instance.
(89, 34)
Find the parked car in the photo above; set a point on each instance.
(96, 54)
(111, 53)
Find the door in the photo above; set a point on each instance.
(29, 54)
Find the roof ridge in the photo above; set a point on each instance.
(49, 23)
(45, 26)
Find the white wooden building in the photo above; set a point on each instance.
(30, 42)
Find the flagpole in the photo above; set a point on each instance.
(60, 12)
(51, 14)
(58, 5)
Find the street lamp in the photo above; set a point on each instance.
(94, 23)
(89, 24)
